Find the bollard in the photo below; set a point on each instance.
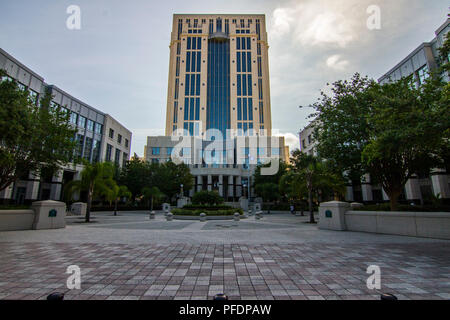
(257, 216)
(220, 297)
(152, 215)
(169, 216)
(237, 216)
(388, 297)
(202, 217)
(56, 296)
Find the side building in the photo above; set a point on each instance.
(419, 63)
(99, 136)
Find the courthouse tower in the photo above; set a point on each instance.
(218, 74)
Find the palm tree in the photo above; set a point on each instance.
(152, 194)
(115, 192)
(313, 176)
(96, 179)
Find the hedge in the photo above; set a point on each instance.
(404, 208)
(186, 212)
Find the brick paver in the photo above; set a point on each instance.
(182, 271)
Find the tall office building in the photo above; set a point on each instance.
(218, 74)
(219, 79)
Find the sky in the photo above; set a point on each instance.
(118, 60)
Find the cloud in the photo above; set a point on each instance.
(335, 62)
(290, 139)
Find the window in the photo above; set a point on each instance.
(169, 151)
(423, 74)
(90, 125)
(124, 159)
(98, 128)
(309, 139)
(261, 151)
(117, 157)
(126, 143)
(82, 122)
(96, 151)
(275, 152)
(87, 149)
(155, 150)
(303, 143)
(111, 133)
(119, 139)
(155, 160)
(73, 118)
(108, 152)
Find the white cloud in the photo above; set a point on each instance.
(335, 62)
(290, 139)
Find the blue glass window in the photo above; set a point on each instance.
(244, 108)
(249, 84)
(155, 150)
(197, 109)
(192, 84)
(239, 88)
(239, 109)
(188, 61)
(189, 43)
(186, 108)
(191, 109)
(199, 57)
(186, 88)
(238, 62)
(197, 85)
(250, 109)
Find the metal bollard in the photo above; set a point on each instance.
(202, 217)
(152, 215)
(237, 216)
(169, 216)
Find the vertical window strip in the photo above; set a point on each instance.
(239, 109)
(186, 109)
(188, 61)
(250, 109)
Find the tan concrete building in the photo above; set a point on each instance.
(218, 74)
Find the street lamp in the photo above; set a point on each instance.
(182, 193)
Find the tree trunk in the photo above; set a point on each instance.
(393, 199)
(115, 207)
(151, 209)
(89, 203)
(311, 213)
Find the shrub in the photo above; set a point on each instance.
(207, 198)
(206, 207)
(186, 212)
(404, 208)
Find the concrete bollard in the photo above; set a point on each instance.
(202, 217)
(169, 216)
(152, 215)
(257, 216)
(355, 205)
(237, 216)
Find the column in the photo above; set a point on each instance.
(6, 193)
(366, 188)
(199, 183)
(32, 187)
(412, 188)
(209, 182)
(230, 186)
(238, 186)
(221, 185)
(439, 179)
(385, 196)
(349, 192)
(56, 188)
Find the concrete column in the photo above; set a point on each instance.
(238, 186)
(440, 184)
(385, 196)
(199, 183)
(412, 189)
(349, 193)
(32, 187)
(209, 182)
(7, 192)
(221, 185)
(366, 188)
(230, 186)
(56, 188)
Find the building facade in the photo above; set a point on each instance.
(218, 74)
(218, 102)
(94, 138)
(419, 64)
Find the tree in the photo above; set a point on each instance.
(205, 197)
(152, 194)
(406, 130)
(136, 175)
(96, 179)
(115, 192)
(261, 179)
(31, 137)
(390, 131)
(168, 177)
(311, 175)
(268, 191)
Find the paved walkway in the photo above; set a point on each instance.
(279, 257)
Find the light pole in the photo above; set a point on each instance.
(181, 192)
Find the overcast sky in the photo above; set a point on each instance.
(118, 61)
